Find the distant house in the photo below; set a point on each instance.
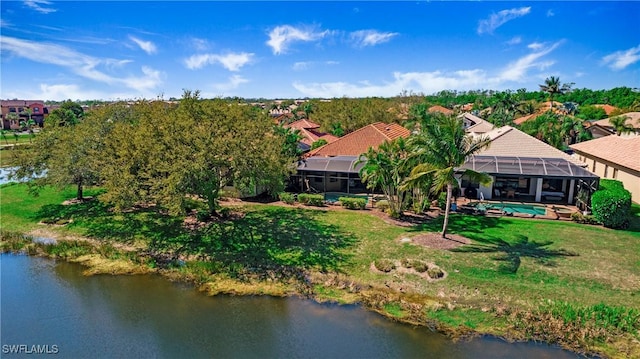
(475, 124)
(310, 132)
(20, 108)
(546, 106)
(526, 169)
(330, 168)
(608, 109)
(614, 157)
(441, 109)
(603, 127)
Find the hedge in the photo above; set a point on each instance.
(611, 204)
(287, 197)
(311, 199)
(353, 202)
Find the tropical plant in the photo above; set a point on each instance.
(620, 125)
(384, 168)
(437, 152)
(552, 86)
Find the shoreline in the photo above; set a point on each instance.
(407, 308)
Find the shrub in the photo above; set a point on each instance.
(384, 265)
(287, 197)
(416, 264)
(611, 204)
(311, 199)
(353, 202)
(229, 192)
(581, 218)
(383, 205)
(435, 273)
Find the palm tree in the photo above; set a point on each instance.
(439, 149)
(619, 124)
(553, 86)
(385, 169)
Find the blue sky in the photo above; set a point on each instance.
(54, 50)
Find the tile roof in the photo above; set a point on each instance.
(477, 124)
(607, 108)
(304, 123)
(624, 151)
(509, 141)
(438, 108)
(633, 119)
(17, 103)
(359, 141)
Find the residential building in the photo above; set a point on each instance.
(21, 108)
(475, 124)
(332, 167)
(310, 132)
(604, 127)
(526, 169)
(613, 157)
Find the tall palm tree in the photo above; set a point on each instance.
(553, 86)
(439, 149)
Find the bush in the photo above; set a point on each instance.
(311, 199)
(581, 218)
(353, 202)
(418, 265)
(383, 205)
(287, 197)
(384, 265)
(435, 273)
(611, 204)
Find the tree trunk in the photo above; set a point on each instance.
(79, 194)
(447, 207)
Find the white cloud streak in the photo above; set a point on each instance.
(496, 20)
(363, 38)
(146, 46)
(281, 37)
(230, 61)
(621, 59)
(434, 81)
(37, 6)
(89, 67)
(232, 83)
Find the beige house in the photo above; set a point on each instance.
(613, 157)
(528, 170)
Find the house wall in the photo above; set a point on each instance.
(629, 178)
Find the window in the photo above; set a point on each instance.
(36, 110)
(20, 109)
(606, 171)
(615, 173)
(12, 109)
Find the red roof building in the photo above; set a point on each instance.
(359, 141)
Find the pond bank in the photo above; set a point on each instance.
(393, 303)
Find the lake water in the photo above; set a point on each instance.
(51, 304)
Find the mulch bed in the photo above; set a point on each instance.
(435, 240)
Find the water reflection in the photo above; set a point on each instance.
(44, 302)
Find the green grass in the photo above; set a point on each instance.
(513, 264)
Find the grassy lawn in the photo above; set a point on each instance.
(512, 264)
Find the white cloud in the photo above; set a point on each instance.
(623, 58)
(36, 5)
(282, 36)
(147, 46)
(364, 38)
(535, 46)
(496, 20)
(233, 83)
(550, 13)
(89, 67)
(61, 92)
(515, 40)
(517, 70)
(199, 44)
(427, 82)
(230, 61)
(301, 66)
(434, 81)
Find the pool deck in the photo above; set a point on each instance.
(551, 214)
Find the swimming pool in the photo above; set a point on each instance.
(511, 208)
